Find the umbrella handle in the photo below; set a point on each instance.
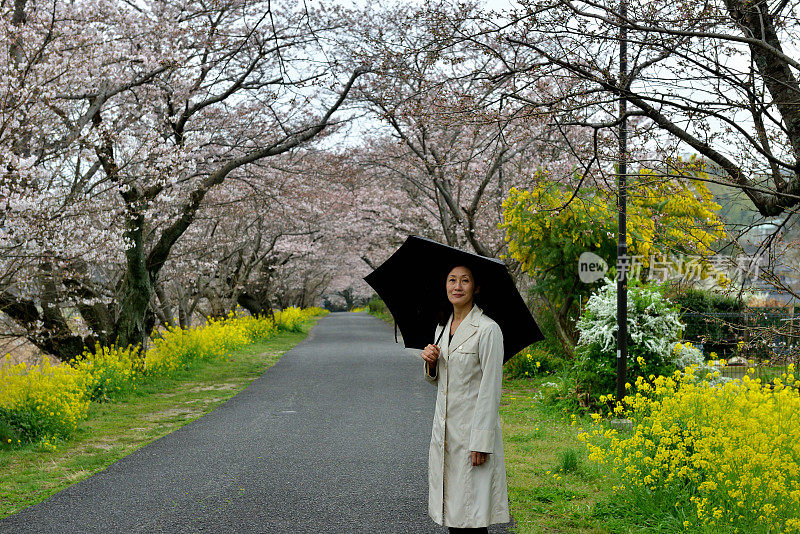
(440, 337)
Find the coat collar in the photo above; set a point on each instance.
(465, 330)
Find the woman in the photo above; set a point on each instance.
(466, 466)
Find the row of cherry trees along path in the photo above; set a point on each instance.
(132, 137)
(166, 158)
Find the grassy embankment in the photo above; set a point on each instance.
(551, 485)
(158, 406)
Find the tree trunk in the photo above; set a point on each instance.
(563, 324)
(184, 318)
(50, 338)
(446, 220)
(137, 288)
(564, 336)
(256, 306)
(164, 310)
(131, 328)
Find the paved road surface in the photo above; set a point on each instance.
(333, 438)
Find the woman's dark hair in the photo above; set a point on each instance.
(445, 308)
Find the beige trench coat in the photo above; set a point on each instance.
(468, 375)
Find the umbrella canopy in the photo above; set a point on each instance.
(412, 284)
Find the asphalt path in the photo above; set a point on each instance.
(332, 438)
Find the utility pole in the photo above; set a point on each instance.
(623, 261)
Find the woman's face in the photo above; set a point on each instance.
(460, 286)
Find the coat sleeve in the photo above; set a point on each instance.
(432, 371)
(486, 418)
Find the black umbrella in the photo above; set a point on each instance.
(412, 284)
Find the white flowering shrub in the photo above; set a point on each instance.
(653, 328)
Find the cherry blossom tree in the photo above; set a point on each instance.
(454, 142)
(288, 232)
(118, 120)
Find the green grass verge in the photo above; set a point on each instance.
(552, 487)
(385, 317)
(111, 431)
(377, 308)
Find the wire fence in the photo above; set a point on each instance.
(754, 333)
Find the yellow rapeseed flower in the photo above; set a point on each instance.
(733, 447)
(60, 394)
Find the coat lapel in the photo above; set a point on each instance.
(467, 328)
(444, 342)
